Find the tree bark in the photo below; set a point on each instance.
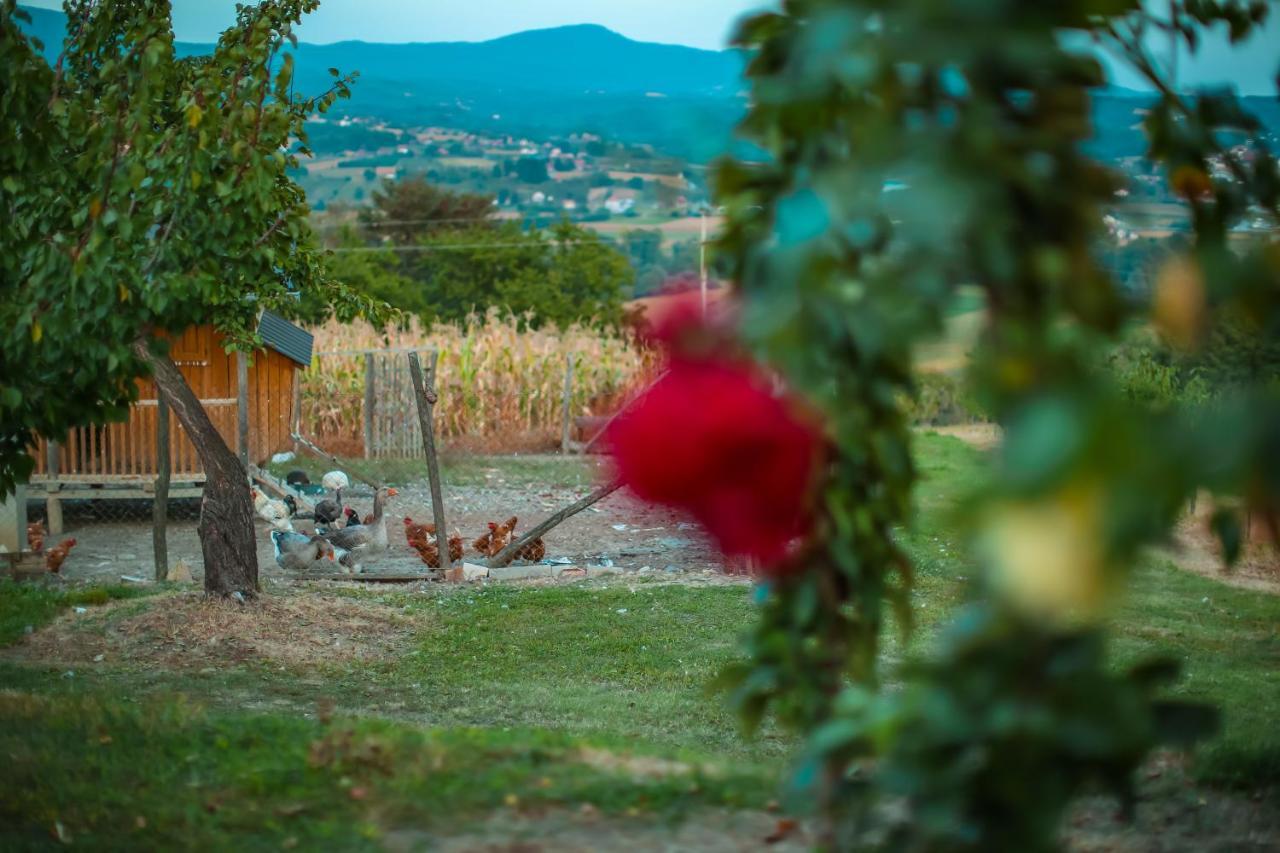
(227, 538)
(425, 394)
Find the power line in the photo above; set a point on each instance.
(464, 246)
(388, 223)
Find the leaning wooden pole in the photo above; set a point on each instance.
(345, 466)
(425, 395)
(160, 509)
(507, 554)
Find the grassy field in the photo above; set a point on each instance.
(504, 703)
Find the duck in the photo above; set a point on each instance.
(349, 561)
(329, 510)
(298, 552)
(365, 538)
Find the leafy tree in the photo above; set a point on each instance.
(644, 246)
(572, 277)
(986, 106)
(407, 210)
(141, 193)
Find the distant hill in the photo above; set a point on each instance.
(544, 82)
(586, 78)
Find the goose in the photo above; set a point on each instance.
(298, 552)
(365, 538)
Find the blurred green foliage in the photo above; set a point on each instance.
(976, 116)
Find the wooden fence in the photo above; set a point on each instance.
(361, 402)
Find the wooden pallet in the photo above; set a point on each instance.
(371, 578)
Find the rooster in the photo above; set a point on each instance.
(58, 555)
(35, 536)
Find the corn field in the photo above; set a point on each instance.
(499, 387)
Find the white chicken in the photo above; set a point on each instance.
(335, 481)
(276, 513)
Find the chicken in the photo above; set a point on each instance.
(276, 513)
(58, 555)
(35, 536)
(429, 550)
(418, 532)
(533, 552)
(498, 537)
(329, 510)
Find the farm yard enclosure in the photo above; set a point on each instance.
(548, 708)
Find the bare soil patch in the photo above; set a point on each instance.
(981, 436)
(1196, 550)
(190, 632)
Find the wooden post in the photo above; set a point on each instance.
(425, 394)
(160, 509)
(369, 403)
(242, 407)
(568, 401)
(507, 554)
(52, 503)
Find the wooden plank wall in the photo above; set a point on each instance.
(126, 450)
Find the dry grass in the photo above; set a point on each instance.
(191, 632)
(499, 387)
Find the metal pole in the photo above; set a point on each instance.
(702, 263)
(369, 402)
(52, 504)
(242, 407)
(160, 509)
(568, 402)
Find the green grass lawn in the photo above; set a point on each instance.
(505, 700)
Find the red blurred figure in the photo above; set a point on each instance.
(712, 437)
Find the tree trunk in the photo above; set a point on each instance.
(226, 511)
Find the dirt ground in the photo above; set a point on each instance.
(620, 531)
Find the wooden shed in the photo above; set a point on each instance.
(120, 460)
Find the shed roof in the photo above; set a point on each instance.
(292, 342)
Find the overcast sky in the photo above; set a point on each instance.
(700, 23)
